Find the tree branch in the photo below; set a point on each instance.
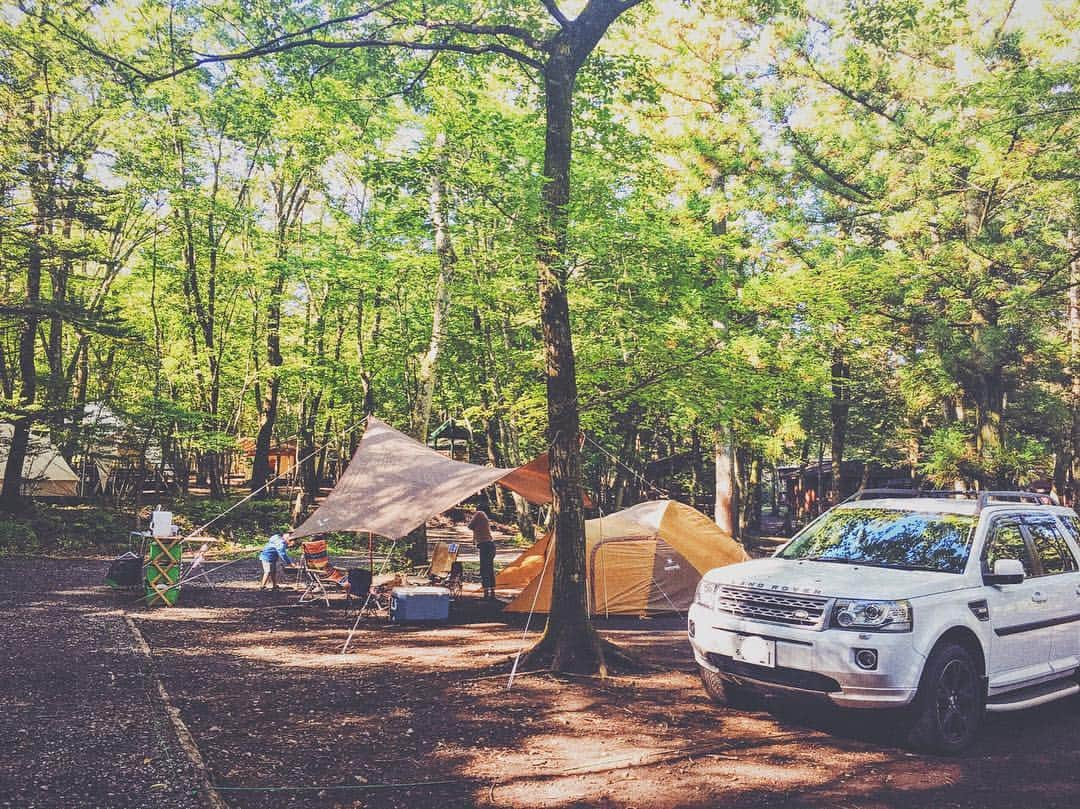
(553, 9)
(303, 38)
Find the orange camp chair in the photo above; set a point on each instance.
(320, 573)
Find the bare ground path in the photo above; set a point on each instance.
(420, 717)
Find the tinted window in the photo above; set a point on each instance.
(1050, 545)
(1072, 526)
(886, 538)
(1008, 543)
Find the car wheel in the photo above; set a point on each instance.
(948, 708)
(727, 693)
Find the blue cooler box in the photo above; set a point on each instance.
(419, 604)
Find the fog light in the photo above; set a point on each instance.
(866, 659)
(690, 628)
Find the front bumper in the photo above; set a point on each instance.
(811, 663)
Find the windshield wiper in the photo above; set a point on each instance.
(835, 559)
(870, 563)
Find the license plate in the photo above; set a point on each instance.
(755, 650)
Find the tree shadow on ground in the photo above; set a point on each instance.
(420, 716)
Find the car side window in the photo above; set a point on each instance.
(1050, 545)
(1006, 542)
(1072, 526)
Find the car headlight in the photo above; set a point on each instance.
(872, 616)
(706, 594)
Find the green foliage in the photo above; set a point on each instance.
(763, 192)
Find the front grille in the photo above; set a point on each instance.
(773, 606)
(789, 678)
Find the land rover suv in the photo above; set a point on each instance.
(944, 606)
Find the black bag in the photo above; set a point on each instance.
(125, 572)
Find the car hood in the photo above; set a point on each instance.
(835, 580)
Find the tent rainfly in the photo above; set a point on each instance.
(45, 472)
(394, 484)
(647, 558)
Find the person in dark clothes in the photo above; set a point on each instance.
(481, 530)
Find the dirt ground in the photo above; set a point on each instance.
(421, 716)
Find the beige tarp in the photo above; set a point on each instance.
(395, 484)
(648, 558)
(45, 472)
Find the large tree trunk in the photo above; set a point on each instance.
(569, 640)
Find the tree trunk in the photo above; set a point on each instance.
(727, 494)
(838, 413)
(11, 496)
(753, 512)
(1074, 372)
(491, 439)
(290, 196)
(569, 629)
(425, 375)
(570, 642)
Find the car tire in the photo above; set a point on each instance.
(948, 708)
(724, 692)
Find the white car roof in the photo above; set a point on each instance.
(947, 505)
(924, 505)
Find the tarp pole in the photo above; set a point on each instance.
(371, 591)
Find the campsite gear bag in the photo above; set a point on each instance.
(125, 572)
(419, 604)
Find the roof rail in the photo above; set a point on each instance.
(867, 494)
(1033, 498)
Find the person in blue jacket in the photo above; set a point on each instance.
(273, 556)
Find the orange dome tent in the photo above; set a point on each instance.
(647, 558)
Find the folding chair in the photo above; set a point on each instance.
(455, 579)
(320, 573)
(443, 558)
(359, 587)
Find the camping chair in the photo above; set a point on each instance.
(196, 569)
(455, 579)
(360, 579)
(320, 573)
(443, 557)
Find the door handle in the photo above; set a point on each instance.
(1038, 597)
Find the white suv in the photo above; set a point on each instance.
(942, 606)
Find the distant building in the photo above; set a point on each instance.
(454, 439)
(282, 458)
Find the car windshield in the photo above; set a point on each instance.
(886, 538)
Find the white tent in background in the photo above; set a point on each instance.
(45, 472)
(103, 429)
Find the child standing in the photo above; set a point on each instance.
(273, 555)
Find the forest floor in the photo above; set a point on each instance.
(419, 716)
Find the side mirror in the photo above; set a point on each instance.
(1006, 571)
